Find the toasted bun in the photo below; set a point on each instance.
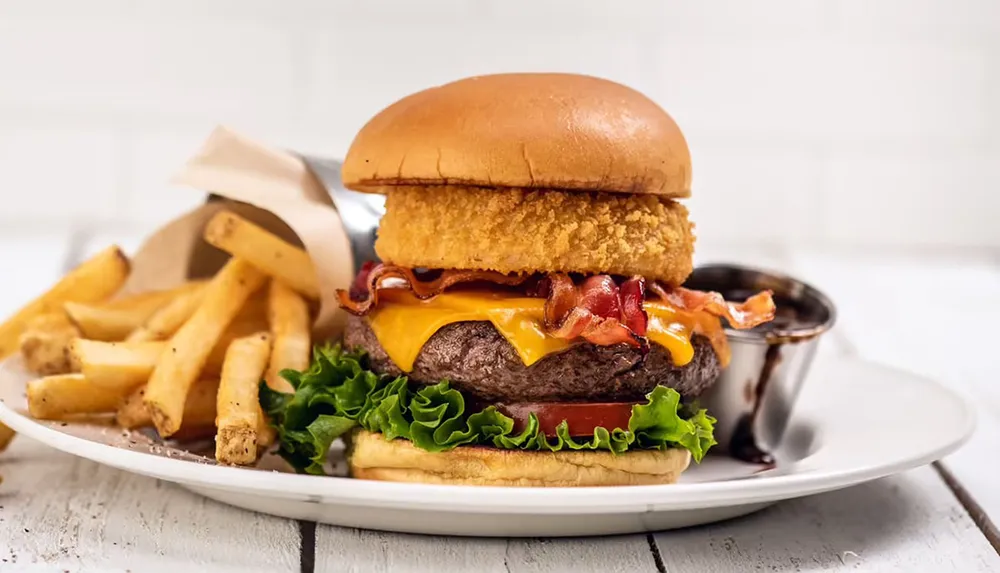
(535, 131)
(373, 457)
(516, 230)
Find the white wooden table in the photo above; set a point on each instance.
(60, 513)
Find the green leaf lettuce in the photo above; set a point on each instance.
(338, 393)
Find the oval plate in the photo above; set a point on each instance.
(854, 422)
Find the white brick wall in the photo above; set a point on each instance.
(830, 122)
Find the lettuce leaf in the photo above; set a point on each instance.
(338, 393)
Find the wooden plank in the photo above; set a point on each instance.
(624, 554)
(355, 550)
(975, 511)
(933, 316)
(344, 549)
(59, 512)
(907, 522)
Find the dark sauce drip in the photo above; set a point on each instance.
(743, 445)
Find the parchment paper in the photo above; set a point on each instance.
(271, 187)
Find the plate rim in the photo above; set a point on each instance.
(328, 490)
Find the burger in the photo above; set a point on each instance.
(526, 324)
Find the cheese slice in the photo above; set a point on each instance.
(403, 324)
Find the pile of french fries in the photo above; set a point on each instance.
(186, 361)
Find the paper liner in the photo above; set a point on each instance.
(270, 187)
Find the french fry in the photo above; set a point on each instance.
(6, 436)
(288, 317)
(188, 350)
(45, 343)
(116, 319)
(133, 413)
(94, 280)
(65, 395)
(237, 406)
(121, 366)
(264, 250)
(244, 324)
(165, 321)
(130, 364)
(199, 408)
(153, 299)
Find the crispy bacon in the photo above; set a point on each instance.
(599, 310)
(359, 288)
(633, 294)
(363, 294)
(592, 311)
(755, 310)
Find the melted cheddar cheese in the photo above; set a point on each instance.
(403, 324)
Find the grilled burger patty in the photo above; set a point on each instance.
(479, 362)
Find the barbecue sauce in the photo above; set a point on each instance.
(743, 445)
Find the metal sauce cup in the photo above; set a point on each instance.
(753, 397)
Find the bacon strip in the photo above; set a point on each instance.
(755, 310)
(363, 294)
(593, 311)
(598, 310)
(359, 288)
(633, 294)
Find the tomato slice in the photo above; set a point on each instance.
(582, 418)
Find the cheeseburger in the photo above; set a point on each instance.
(526, 325)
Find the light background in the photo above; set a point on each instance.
(837, 123)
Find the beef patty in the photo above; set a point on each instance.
(479, 361)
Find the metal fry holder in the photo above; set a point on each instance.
(360, 212)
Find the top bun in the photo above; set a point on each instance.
(532, 131)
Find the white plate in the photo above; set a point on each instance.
(854, 422)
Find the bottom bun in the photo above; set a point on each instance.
(373, 457)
